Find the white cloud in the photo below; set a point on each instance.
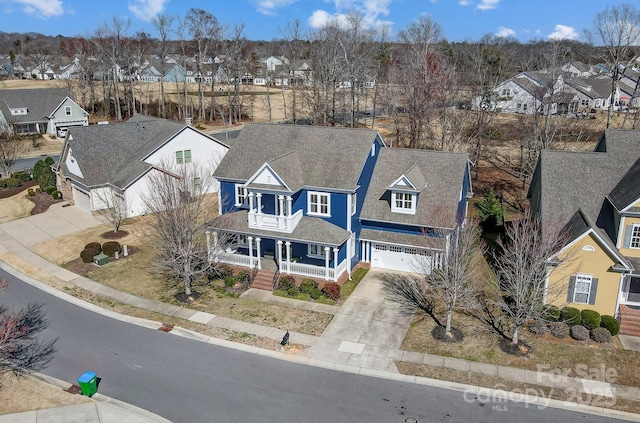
(488, 4)
(505, 32)
(268, 7)
(371, 10)
(464, 2)
(146, 10)
(41, 8)
(564, 32)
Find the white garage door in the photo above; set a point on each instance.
(82, 200)
(395, 257)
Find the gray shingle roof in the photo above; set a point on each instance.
(309, 229)
(627, 191)
(41, 102)
(113, 153)
(326, 157)
(402, 239)
(573, 181)
(437, 203)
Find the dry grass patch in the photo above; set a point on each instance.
(15, 207)
(482, 345)
(20, 394)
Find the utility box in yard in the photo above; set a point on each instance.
(101, 259)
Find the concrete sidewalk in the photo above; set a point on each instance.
(364, 336)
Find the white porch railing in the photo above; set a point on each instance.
(236, 259)
(630, 297)
(314, 271)
(274, 222)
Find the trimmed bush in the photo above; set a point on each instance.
(87, 255)
(57, 195)
(590, 319)
(286, 282)
(552, 313)
(243, 277)
(230, 281)
(94, 246)
(611, 324)
(12, 183)
(559, 329)
(111, 247)
(579, 333)
(292, 292)
(31, 192)
(308, 285)
(315, 293)
(21, 176)
(331, 290)
(538, 327)
(49, 189)
(570, 316)
(601, 335)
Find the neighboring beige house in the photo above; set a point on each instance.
(595, 196)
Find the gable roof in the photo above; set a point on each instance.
(439, 194)
(627, 191)
(580, 181)
(309, 156)
(40, 102)
(113, 153)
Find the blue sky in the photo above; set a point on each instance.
(460, 19)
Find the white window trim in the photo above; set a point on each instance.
(67, 110)
(575, 288)
(237, 195)
(241, 240)
(354, 203)
(321, 253)
(637, 238)
(320, 195)
(395, 209)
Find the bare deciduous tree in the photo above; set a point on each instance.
(180, 207)
(522, 268)
(163, 23)
(452, 285)
(617, 28)
(20, 350)
(10, 148)
(111, 205)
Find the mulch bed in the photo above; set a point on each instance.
(81, 268)
(114, 235)
(42, 201)
(10, 192)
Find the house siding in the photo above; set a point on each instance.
(626, 222)
(595, 263)
(59, 118)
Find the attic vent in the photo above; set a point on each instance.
(188, 121)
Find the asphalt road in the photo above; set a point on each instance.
(190, 381)
(28, 162)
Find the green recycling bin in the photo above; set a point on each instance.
(88, 383)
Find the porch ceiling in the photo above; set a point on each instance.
(309, 229)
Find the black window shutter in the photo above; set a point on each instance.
(572, 287)
(592, 292)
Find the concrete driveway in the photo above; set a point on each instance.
(55, 222)
(367, 331)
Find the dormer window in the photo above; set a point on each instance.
(403, 202)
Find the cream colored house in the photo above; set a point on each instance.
(595, 196)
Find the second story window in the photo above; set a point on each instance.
(403, 202)
(319, 204)
(241, 195)
(183, 156)
(635, 237)
(67, 110)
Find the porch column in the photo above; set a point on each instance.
(279, 255)
(208, 245)
(288, 245)
(259, 198)
(250, 241)
(335, 264)
(281, 204)
(326, 262)
(250, 202)
(364, 258)
(258, 255)
(289, 207)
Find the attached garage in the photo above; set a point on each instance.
(82, 200)
(396, 257)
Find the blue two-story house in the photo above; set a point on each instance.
(296, 199)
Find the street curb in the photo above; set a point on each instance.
(454, 386)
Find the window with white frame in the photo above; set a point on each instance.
(635, 237)
(353, 204)
(197, 184)
(582, 289)
(183, 156)
(241, 240)
(67, 110)
(319, 204)
(316, 250)
(241, 195)
(403, 202)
